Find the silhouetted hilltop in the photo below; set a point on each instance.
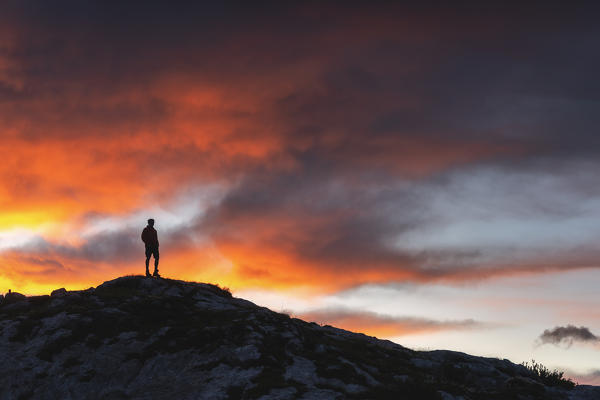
(144, 338)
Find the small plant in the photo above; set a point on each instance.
(287, 312)
(548, 377)
(224, 289)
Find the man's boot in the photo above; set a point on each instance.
(155, 274)
(148, 273)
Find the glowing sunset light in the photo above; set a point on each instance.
(405, 171)
(27, 219)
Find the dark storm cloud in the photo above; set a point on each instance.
(449, 80)
(112, 246)
(342, 218)
(567, 335)
(459, 82)
(331, 217)
(91, 68)
(335, 127)
(117, 246)
(49, 266)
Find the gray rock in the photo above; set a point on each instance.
(13, 297)
(59, 292)
(302, 370)
(287, 393)
(140, 338)
(248, 352)
(448, 396)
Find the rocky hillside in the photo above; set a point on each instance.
(145, 338)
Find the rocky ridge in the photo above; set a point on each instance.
(145, 338)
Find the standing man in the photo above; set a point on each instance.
(150, 239)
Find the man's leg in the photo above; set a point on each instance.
(156, 257)
(148, 254)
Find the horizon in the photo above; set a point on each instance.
(424, 173)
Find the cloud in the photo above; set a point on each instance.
(353, 145)
(385, 325)
(590, 377)
(444, 228)
(567, 335)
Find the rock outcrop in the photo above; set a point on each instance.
(145, 338)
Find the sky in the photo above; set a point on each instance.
(426, 174)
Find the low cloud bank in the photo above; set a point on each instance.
(385, 325)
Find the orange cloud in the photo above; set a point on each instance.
(385, 325)
(314, 127)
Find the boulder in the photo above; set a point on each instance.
(59, 292)
(13, 297)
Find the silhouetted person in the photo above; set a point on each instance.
(150, 239)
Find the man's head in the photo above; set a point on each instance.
(150, 222)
